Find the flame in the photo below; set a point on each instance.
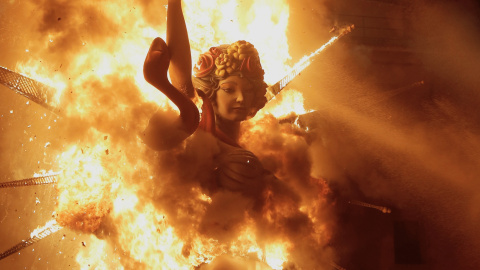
(276, 255)
(83, 192)
(286, 103)
(108, 177)
(41, 230)
(211, 23)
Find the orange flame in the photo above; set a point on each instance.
(108, 176)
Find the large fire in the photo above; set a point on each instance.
(146, 209)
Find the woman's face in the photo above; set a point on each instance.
(234, 98)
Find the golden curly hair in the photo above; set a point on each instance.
(237, 59)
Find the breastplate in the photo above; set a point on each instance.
(239, 170)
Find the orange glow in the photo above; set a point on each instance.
(108, 176)
(211, 23)
(287, 102)
(276, 255)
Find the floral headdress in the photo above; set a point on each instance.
(240, 56)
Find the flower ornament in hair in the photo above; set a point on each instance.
(240, 56)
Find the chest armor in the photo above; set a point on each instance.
(239, 170)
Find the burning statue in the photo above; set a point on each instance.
(229, 81)
(221, 185)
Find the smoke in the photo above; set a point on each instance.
(284, 151)
(415, 150)
(102, 111)
(127, 195)
(383, 141)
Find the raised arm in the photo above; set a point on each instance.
(162, 132)
(177, 40)
(166, 131)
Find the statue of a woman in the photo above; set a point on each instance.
(229, 79)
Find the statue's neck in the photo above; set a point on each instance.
(229, 128)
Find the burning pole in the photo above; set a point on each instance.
(35, 91)
(43, 95)
(37, 235)
(40, 180)
(273, 90)
(382, 209)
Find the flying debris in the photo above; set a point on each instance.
(339, 30)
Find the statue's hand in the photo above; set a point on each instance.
(156, 64)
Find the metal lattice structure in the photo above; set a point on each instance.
(273, 90)
(37, 235)
(35, 91)
(41, 180)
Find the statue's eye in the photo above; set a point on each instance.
(227, 90)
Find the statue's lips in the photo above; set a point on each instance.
(239, 109)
